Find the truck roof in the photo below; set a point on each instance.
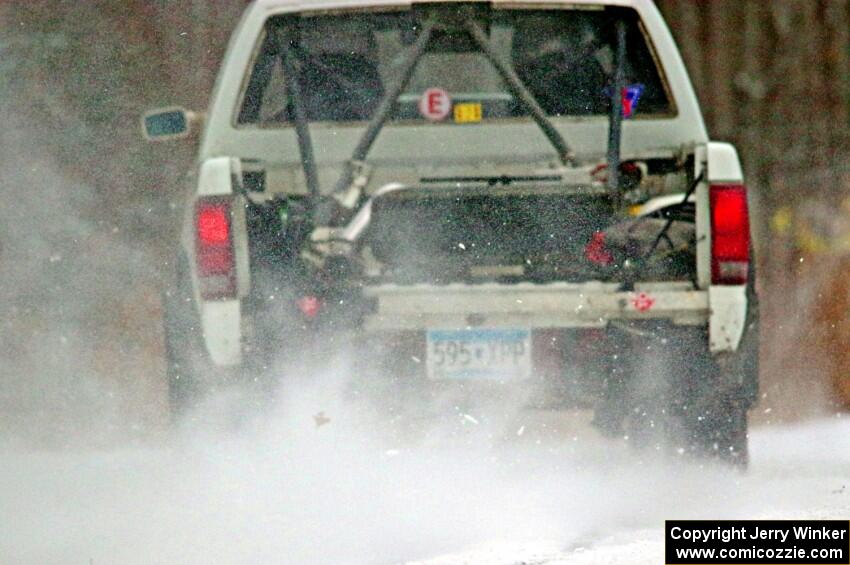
(313, 5)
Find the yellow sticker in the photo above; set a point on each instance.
(468, 113)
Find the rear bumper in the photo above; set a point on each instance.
(554, 305)
(558, 305)
(416, 308)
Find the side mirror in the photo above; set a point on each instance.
(166, 124)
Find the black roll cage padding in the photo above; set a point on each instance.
(385, 108)
(522, 93)
(305, 57)
(384, 111)
(615, 119)
(296, 100)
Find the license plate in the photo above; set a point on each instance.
(479, 354)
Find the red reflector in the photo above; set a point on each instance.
(730, 234)
(596, 252)
(214, 249)
(309, 306)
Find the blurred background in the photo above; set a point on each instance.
(90, 210)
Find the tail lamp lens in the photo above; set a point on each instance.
(213, 224)
(214, 248)
(730, 234)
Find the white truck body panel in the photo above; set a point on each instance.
(216, 178)
(728, 303)
(221, 320)
(723, 163)
(728, 316)
(222, 324)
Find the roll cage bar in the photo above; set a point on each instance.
(287, 40)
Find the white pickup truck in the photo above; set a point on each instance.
(504, 193)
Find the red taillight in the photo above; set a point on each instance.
(214, 248)
(730, 234)
(213, 224)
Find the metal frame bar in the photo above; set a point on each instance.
(302, 127)
(615, 122)
(382, 114)
(522, 93)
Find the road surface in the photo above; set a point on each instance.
(279, 488)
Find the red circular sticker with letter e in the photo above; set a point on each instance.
(435, 104)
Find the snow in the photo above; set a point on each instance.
(279, 489)
(798, 472)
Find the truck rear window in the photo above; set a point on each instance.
(346, 63)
